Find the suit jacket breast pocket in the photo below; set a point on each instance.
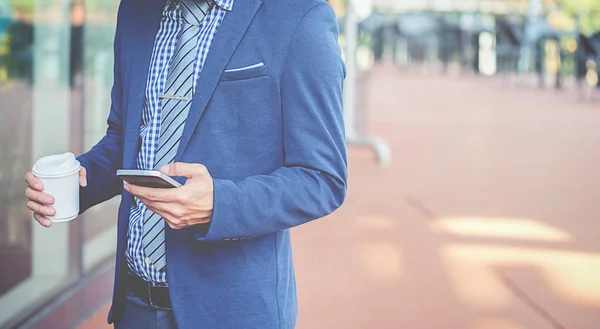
(245, 72)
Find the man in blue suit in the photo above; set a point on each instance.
(241, 101)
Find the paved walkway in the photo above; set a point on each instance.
(487, 218)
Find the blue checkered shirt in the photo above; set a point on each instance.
(164, 47)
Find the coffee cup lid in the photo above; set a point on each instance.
(56, 165)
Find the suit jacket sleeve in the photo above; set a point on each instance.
(312, 181)
(103, 160)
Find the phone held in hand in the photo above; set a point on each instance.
(147, 178)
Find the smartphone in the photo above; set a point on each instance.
(147, 178)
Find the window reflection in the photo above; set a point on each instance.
(16, 68)
(100, 20)
(55, 80)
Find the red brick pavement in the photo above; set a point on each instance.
(487, 217)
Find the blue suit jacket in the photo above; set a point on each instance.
(272, 137)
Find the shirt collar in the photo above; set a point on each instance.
(223, 4)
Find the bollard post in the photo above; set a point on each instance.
(353, 137)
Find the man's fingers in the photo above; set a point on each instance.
(170, 210)
(38, 196)
(188, 170)
(174, 215)
(171, 225)
(149, 204)
(169, 219)
(205, 220)
(34, 182)
(37, 200)
(82, 177)
(42, 220)
(173, 222)
(152, 194)
(40, 209)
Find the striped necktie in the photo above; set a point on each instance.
(176, 101)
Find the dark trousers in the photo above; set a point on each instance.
(140, 315)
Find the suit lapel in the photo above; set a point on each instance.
(147, 23)
(226, 40)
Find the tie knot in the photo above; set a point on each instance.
(194, 11)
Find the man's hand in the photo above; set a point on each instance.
(41, 203)
(189, 205)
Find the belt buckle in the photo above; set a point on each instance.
(152, 302)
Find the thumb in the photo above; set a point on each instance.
(188, 170)
(82, 177)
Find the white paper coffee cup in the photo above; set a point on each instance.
(60, 175)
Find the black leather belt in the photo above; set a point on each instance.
(158, 297)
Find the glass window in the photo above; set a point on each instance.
(55, 78)
(34, 107)
(16, 95)
(100, 222)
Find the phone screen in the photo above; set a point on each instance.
(147, 181)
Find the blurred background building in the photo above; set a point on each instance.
(550, 38)
(457, 67)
